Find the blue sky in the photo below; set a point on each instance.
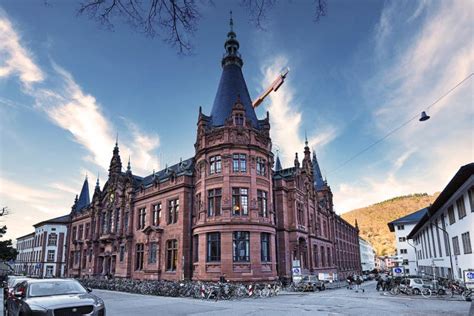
(68, 86)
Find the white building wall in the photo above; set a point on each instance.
(433, 255)
(367, 255)
(406, 255)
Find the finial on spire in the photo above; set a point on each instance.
(129, 168)
(116, 140)
(305, 138)
(231, 23)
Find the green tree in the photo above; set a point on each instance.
(7, 252)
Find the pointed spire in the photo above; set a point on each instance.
(84, 199)
(278, 163)
(297, 162)
(232, 55)
(231, 23)
(115, 162)
(129, 168)
(97, 185)
(318, 177)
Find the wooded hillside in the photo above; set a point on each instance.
(373, 219)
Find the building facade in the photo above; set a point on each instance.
(223, 212)
(406, 254)
(443, 235)
(367, 255)
(43, 252)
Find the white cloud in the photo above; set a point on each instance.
(422, 156)
(14, 59)
(286, 119)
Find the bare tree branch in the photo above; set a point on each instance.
(321, 9)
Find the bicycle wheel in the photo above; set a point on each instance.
(395, 290)
(426, 293)
(466, 295)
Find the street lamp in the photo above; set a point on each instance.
(424, 117)
(449, 248)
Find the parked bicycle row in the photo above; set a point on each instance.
(439, 287)
(193, 289)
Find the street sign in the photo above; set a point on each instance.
(296, 271)
(469, 279)
(398, 271)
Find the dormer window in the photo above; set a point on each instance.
(239, 119)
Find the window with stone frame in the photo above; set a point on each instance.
(125, 221)
(461, 207)
(109, 221)
(84, 258)
(52, 239)
(262, 202)
(90, 254)
(240, 201)
(300, 213)
(51, 254)
(173, 211)
(74, 233)
(261, 166)
(451, 215)
(315, 255)
(456, 249)
(139, 254)
(470, 194)
(239, 163)
(152, 252)
(241, 246)
(141, 218)
(156, 216)
(466, 243)
(323, 258)
(265, 247)
(239, 119)
(215, 164)
(103, 221)
(214, 198)
(122, 253)
(171, 255)
(87, 231)
(116, 220)
(195, 248)
(213, 247)
(81, 232)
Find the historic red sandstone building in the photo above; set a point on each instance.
(223, 212)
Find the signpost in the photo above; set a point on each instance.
(398, 271)
(469, 278)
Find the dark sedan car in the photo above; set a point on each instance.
(58, 297)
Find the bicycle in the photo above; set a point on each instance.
(426, 291)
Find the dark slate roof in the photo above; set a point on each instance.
(409, 219)
(185, 167)
(278, 164)
(84, 199)
(463, 174)
(284, 173)
(232, 86)
(318, 177)
(26, 236)
(65, 219)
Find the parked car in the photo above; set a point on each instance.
(8, 286)
(58, 297)
(416, 284)
(313, 282)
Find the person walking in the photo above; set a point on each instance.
(358, 282)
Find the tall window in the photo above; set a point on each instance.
(173, 210)
(213, 247)
(300, 214)
(261, 166)
(81, 232)
(116, 220)
(239, 163)
(152, 250)
(84, 258)
(241, 246)
(103, 221)
(215, 164)
(141, 218)
(265, 247)
(328, 252)
(456, 249)
(52, 239)
(466, 243)
(452, 219)
(87, 231)
(125, 221)
(109, 221)
(140, 249)
(171, 255)
(461, 207)
(157, 214)
(240, 201)
(195, 248)
(122, 253)
(323, 261)
(262, 203)
(315, 254)
(214, 202)
(470, 193)
(74, 233)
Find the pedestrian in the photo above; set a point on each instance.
(358, 282)
(379, 284)
(350, 279)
